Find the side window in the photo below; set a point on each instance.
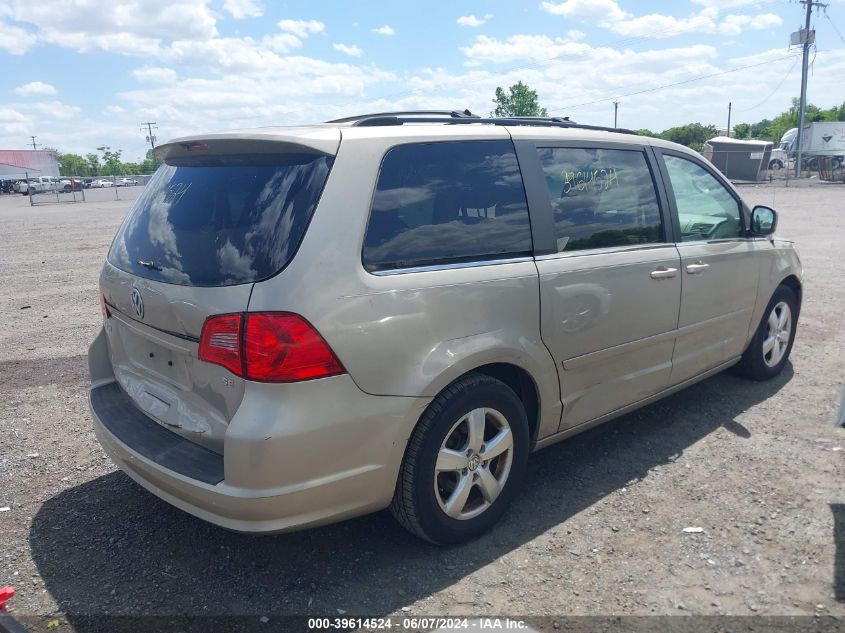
(601, 197)
(706, 210)
(447, 202)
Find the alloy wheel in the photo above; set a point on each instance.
(778, 334)
(473, 463)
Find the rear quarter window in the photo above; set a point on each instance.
(219, 221)
(448, 202)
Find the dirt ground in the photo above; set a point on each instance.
(599, 528)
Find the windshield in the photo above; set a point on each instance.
(220, 221)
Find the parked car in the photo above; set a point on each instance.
(71, 184)
(126, 182)
(100, 183)
(39, 184)
(396, 316)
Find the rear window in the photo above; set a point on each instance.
(220, 221)
(447, 202)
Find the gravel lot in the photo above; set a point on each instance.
(598, 530)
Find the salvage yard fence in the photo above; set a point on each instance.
(99, 192)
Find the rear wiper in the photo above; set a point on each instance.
(150, 265)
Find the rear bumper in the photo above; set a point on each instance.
(295, 455)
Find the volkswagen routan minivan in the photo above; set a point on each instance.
(305, 324)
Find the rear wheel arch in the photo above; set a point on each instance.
(517, 377)
(522, 384)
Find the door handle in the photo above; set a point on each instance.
(698, 267)
(663, 273)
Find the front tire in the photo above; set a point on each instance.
(464, 461)
(769, 350)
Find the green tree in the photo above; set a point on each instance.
(519, 100)
(150, 163)
(93, 164)
(693, 135)
(742, 130)
(646, 132)
(111, 161)
(73, 165)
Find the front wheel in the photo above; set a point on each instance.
(769, 349)
(464, 461)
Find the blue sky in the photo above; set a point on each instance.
(82, 73)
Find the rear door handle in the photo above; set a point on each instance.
(698, 267)
(663, 273)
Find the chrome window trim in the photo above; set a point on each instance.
(608, 250)
(451, 266)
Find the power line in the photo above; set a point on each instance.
(772, 93)
(834, 27)
(33, 142)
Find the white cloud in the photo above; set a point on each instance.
(240, 9)
(13, 124)
(14, 39)
(35, 88)
(301, 28)
(765, 21)
(151, 20)
(114, 109)
(608, 14)
(602, 11)
(282, 42)
(575, 35)
(55, 109)
(351, 49)
(658, 25)
(385, 30)
(728, 4)
(152, 74)
(471, 20)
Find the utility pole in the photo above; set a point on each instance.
(729, 119)
(34, 144)
(615, 111)
(805, 40)
(150, 137)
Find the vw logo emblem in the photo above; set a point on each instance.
(137, 302)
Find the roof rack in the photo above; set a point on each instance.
(443, 113)
(453, 117)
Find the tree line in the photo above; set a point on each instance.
(520, 100)
(107, 162)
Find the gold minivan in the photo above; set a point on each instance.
(305, 324)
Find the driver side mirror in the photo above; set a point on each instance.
(764, 220)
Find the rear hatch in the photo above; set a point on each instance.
(222, 213)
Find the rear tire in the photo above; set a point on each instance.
(447, 492)
(769, 349)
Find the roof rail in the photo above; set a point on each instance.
(455, 118)
(445, 113)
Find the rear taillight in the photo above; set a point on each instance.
(267, 347)
(220, 342)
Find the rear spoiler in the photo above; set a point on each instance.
(315, 141)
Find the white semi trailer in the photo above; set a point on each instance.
(822, 138)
